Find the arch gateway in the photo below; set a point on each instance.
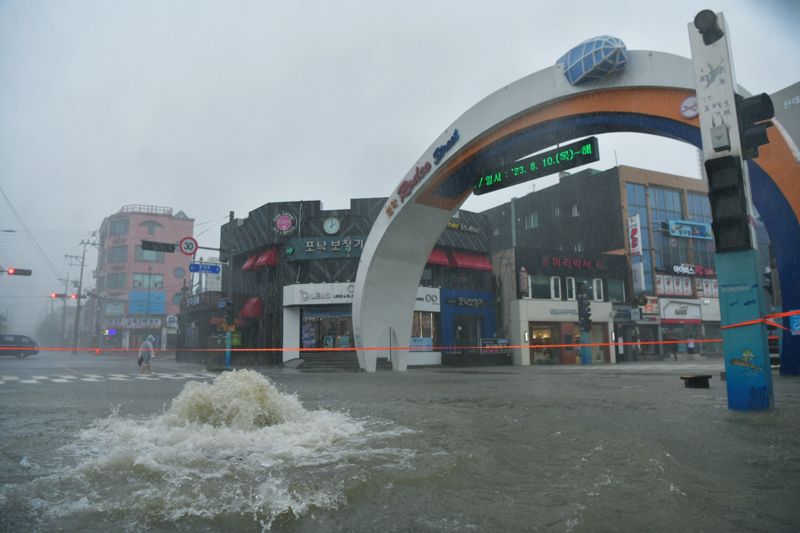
(528, 115)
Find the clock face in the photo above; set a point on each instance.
(331, 225)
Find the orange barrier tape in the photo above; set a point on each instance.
(766, 320)
(374, 348)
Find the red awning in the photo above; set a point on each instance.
(252, 308)
(471, 261)
(268, 258)
(438, 257)
(250, 264)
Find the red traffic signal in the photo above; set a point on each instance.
(73, 296)
(11, 271)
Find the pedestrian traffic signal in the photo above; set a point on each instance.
(11, 271)
(55, 295)
(753, 114)
(728, 204)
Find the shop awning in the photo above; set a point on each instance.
(267, 258)
(471, 261)
(252, 308)
(438, 257)
(250, 264)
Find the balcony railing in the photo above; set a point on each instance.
(146, 209)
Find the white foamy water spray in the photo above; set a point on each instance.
(234, 453)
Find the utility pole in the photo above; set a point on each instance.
(75, 331)
(64, 308)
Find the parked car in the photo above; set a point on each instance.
(19, 345)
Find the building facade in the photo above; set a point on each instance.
(640, 240)
(289, 282)
(139, 292)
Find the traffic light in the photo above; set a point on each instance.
(584, 313)
(728, 204)
(73, 296)
(55, 295)
(752, 113)
(11, 271)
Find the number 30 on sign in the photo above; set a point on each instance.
(188, 245)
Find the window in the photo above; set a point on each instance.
(532, 220)
(496, 232)
(118, 254)
(665, 205)
(148, 256)
(151, 226)
(597, 284)
(616, 290)
(118, 227)
(115, 280)
(148, 281)
(539, 287)
(578, 247)
(570, 288)
(555, 288)
(557, 211)
(575, 212)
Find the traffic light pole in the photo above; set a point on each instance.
(744, 335)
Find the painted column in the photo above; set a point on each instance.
(747, 368)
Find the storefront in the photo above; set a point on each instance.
(467, 317)
(540, 324)
(680, 321)
(319, 316)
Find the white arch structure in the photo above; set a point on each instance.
(417, 212)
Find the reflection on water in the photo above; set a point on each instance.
(235, 453)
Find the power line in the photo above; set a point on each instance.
(30, 235)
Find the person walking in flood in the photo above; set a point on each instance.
(146, 354)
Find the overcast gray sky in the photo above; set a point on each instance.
(212, 106)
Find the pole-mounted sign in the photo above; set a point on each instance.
(188, 246)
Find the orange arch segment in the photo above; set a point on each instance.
(775, 158)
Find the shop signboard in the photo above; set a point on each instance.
(690, 229)
(794, 324)
(312, 248)
(421, 344)
(146, 302)
(427, 300)
(493, 345)
(635, 235)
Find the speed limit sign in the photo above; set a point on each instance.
(188, 245)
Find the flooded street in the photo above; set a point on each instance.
(623, 447)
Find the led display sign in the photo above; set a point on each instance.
(537, 166)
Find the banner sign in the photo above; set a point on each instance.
(691, 230)
(635, 235)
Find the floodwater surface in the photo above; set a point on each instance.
(623, 448)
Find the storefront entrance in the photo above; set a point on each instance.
(540, 336)
(329, 327)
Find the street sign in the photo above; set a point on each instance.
(153, 246)
(794, 324)
(221, 303)
(209, 268)
(188, 245)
